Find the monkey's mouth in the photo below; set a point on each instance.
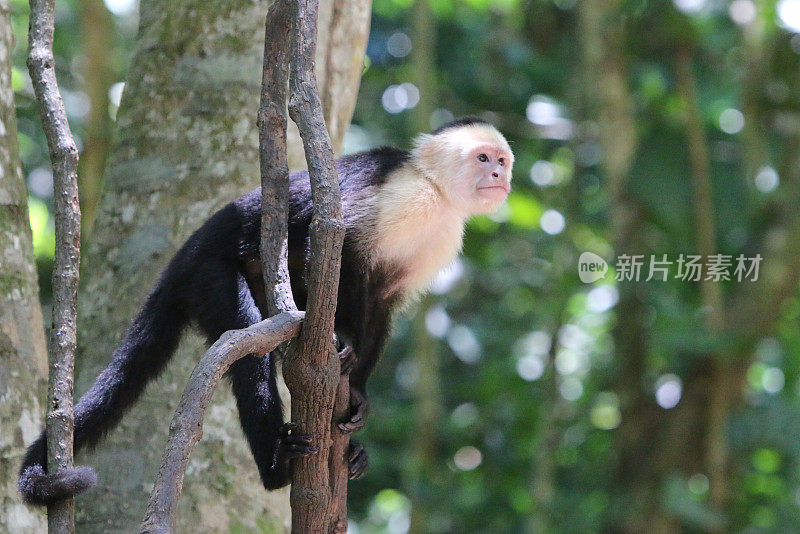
(494, 192)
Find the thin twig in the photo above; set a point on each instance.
(186, 428)
(313, 372)
(64, 158)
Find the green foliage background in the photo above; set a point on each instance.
(504, 402)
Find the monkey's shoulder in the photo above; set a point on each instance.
(371, 167)
(360, 175)
(356, 172)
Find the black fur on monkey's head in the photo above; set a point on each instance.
(458, 123)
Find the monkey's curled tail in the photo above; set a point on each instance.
(147, 347)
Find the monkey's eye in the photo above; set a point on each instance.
(483, 158)
(501, 161)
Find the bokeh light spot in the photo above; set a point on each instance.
(789, 14)
(731, 121)
(773, 380)
(398, 44)
(742, 11)
(668, 391)
(767, 179)
(467, 458)
(552, 222)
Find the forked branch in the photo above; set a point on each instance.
(313, 370)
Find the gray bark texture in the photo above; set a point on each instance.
(272, 123)
(23, 354)
(313, 371)
(186, 144)
(67, 212)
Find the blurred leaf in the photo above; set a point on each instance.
(525, 211)
(44, 242)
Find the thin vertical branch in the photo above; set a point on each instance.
(700, 165)
(64, 158)
(313, 372)
(607, 91)
(543, 516)
(274, 227)
(338, 459)
(272, 122)
(348, 40)
(757, 48)
(716, 449)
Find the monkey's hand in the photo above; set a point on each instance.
(359, 406)
(291, 444)
(358, 461)
(347, 358)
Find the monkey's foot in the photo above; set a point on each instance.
(293, 445)
(358, 461)
(359, 406)
(347, 358)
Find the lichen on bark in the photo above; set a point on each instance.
(23, 356)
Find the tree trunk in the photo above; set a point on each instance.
(608, 94)
(720, 399)
(23, 354)
(97, 31)
(187, 143)
(420, 479)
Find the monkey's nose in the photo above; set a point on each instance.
(494, 174)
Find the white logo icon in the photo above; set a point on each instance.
(591, 267)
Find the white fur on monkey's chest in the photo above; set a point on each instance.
(415, 230)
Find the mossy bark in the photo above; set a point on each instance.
(23, 353)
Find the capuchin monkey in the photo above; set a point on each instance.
(404, 213)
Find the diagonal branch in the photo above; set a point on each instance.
(186, 428)
(64, 158)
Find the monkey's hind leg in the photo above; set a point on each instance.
(273, 442)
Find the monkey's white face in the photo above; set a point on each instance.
(487, 177)
(471, 164)
(477, 165)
